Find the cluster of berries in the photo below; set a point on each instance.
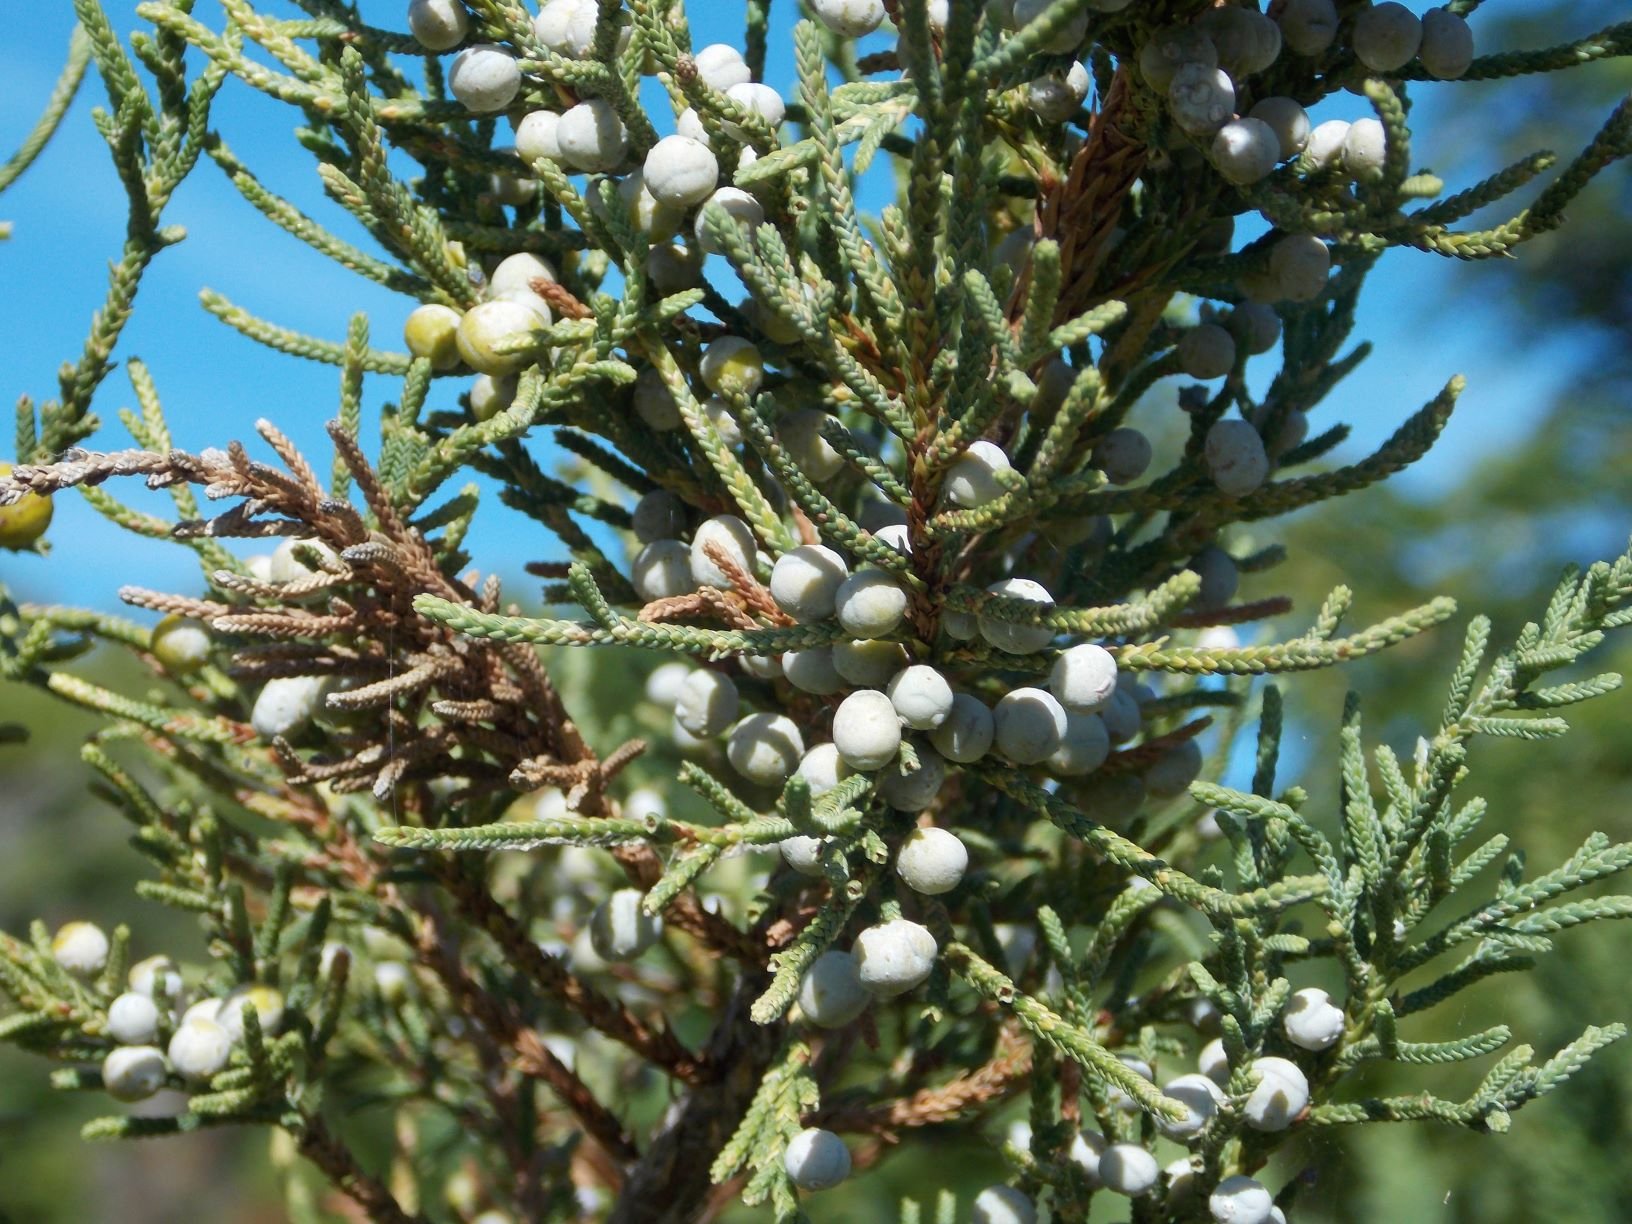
(156, 1040)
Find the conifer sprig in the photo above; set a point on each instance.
(913, 824)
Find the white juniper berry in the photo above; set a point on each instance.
(1055, 99)
(133, 1018)
(823, 769)
(831, 994)
(721, 66)
(921, 696)
(758, 99)
(706, 703)
(567, 27)
(1300, 264)
(931, 860)
(1246, 150)
(866, 730)
(538, 136)
(1287, 119)
(973, 480)
(1256, 325)
(1085, 746)
(1016, 637)
(1447, 44)
(199, 1048)
(484, 330)
(485, 77)
(1236, 457)
(1028, 725)
(1199, 1096)
(801, 433)
(849, 18)
(868, 663)
(659, 515)
(1201, 98)
(1083, 677)
(817, 1160)
(909, 786)
(81, 948)
(157, 977)
(813, 671)
(894, 957)
(732, 364)
(1239, 1199)
(1280, 1095)
(967, 732)
(620, 928)
(765, 748)
(1206, 351)
(681, 172)
(1308, 26)
(439, 25)
(592, 137)
(267, 1001)
(1128, 1168)
(1003, 1205)
(734, 541)
(1123, 455)
(1213, 1062)
(803, 854)
(1068, 34)
(870, 604)
(1386, 36)
(1311, 1021)
(1086, 1148)
(490, 396)
(663, 570)
(1247, 41)
(134, 1072)
(1170, 49)
(1365, 148)
(1325, 147)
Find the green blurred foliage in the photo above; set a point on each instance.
(63, 855)
(1497, 541)
(1497, 544)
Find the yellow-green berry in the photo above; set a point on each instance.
(181, 644)
(24, 521)
(432, 332)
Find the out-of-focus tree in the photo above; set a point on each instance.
(1560, 496)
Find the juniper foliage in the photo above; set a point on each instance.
(402, 813)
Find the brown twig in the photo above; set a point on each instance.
(319, 1146)
(657, 1046)
(1003, 1074)
(1142, 757)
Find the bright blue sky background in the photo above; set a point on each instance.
(68, 217)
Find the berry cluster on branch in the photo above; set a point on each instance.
(935, 519)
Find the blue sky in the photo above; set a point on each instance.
(68, 218)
